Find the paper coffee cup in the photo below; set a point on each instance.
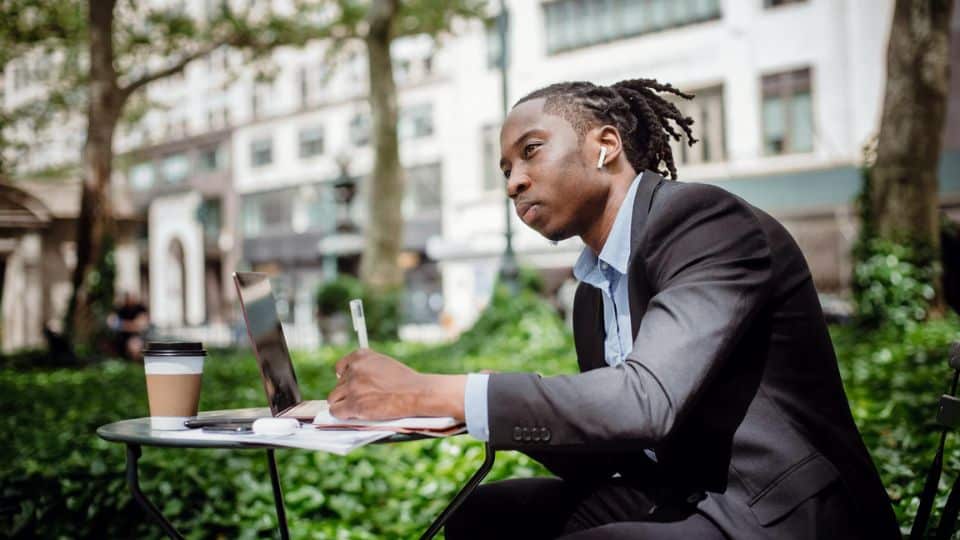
(173, 372)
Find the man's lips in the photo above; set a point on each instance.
(527, 210)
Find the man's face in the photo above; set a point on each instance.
(549, 172)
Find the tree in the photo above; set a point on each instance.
(106, 54)
(378, 25)
(903, 202)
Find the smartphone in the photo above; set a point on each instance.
(234, 428)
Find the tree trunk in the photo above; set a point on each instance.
(904, 198)
(384, 234)
(95, 222)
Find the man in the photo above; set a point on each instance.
(130, 320)
(709, 403)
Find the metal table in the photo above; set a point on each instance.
(136, 432)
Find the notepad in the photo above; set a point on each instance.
(417, 423)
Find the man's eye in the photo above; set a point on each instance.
(506, 174)
(528, 149)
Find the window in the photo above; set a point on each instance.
(493, 42)
(304, 85)
(210, 216)
(787, 113)
(424, 190)
(571, 24)
(777, 3)
(416, 122)
(261, 152)
(210, 159)
(706, 109)
(360, 129)
(492, 175)
(141, 176)
(311, 142)
(269, 212)
(175, 168)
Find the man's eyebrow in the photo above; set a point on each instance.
(519, 139)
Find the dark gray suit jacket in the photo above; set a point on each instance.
(732, 380)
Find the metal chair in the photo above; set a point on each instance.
(948, 417)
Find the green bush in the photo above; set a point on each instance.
(891, 285)
(334, 296)
(381, 309)
(58, 480)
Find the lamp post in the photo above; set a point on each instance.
(508, 268)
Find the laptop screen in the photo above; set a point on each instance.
(266, 334)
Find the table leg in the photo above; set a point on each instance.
(133, 480)
(462, 494)
(278, 496)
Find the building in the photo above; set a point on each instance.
(38, 255)
(788, 94)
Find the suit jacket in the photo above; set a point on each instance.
(732, 380)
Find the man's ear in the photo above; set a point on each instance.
(606, 137)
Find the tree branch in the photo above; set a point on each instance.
(175, 68)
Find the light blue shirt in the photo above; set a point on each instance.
(606, 272)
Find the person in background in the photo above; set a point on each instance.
(130, 320)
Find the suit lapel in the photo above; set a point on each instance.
(637, 289)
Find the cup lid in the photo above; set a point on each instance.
(174, 348)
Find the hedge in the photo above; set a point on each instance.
(59, 480)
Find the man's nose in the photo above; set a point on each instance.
(517, 184)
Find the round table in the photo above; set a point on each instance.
(136, 432)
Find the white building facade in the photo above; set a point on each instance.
(788, 94)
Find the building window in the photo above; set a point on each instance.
(424, 190)
(777, 3)
(492, 175)
(787, 113)
(416, 122)
(175, 168)
(706, 109)
(311, 142)
(210, 159)
(571, 24)
(142, 176)
(360, 129)
(261, 152)
(494, 47)
(304, 84)
(269, 212)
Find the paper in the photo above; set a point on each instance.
(338, 442)
(324, 418)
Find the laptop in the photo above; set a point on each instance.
(270, 348)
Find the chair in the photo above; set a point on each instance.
(948, 417)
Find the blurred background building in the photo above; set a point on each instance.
(237, 172)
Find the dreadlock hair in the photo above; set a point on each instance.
(633, 107)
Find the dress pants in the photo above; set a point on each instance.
(533, 508)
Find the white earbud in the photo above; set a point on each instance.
(603, 155)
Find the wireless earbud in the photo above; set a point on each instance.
(603, 155)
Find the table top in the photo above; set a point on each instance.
(138, 431)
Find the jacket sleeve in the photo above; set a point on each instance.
(707, 260)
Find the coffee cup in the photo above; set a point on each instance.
(173, 371)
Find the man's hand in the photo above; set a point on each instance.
(373, 386)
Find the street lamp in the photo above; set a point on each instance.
(508, 269)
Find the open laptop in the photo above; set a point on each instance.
(270, 347)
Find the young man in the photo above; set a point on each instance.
(709, 403)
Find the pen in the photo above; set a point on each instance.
(359, 322)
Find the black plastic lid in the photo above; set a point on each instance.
(174, 348)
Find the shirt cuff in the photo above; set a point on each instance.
(475, 406)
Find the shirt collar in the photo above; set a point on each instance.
(616, 249)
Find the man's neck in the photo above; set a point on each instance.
(596, 236)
